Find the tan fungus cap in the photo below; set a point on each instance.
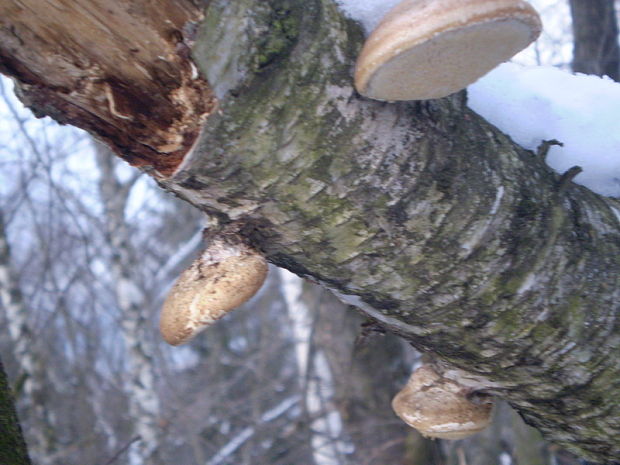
(438, 407)
(426, 49)
(222, 278)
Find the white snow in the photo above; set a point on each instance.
(367, 12)
(543, 103)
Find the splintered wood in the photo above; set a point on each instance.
(120, 69)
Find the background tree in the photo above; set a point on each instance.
(595, 30)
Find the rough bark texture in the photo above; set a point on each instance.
(12, 446)
(421, 214)
(439, 225)
(595, 31)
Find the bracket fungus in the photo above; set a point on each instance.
(224, 276)
(425, 49)
(439, 407)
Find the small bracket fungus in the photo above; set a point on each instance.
(440, 408)
(426, 49)
(224, 276)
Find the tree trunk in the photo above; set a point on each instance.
(369, 369)
(33, 390)
(316, 378)
(144, 405)
(595, 30)
(12, 445)
(421, 214)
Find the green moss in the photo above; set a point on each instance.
(282, 35)
(576, 315)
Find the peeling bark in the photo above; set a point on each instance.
(421, 214)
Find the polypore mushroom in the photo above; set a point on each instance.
(440, 408)
(224, 276)
(426, 49)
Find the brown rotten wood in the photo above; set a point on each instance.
(421, 214)
(119, 69)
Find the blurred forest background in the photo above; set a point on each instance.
(89, 248)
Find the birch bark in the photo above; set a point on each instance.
(34, 384)
(144, 408)
(316, 377)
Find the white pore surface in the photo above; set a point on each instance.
(543, 103)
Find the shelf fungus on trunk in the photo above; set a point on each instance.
(224, 276)
(425, 49)
(441, 408)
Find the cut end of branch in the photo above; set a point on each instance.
(120, 70)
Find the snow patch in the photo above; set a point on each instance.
(545, 103)
(368, 12)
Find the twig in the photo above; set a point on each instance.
(567, 177)
(122, 450)
(461, 456)
(543, 149)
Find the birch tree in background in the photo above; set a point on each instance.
(38, 278)
(368, 367)
(135, 324)
(33, 384)
(316, 379)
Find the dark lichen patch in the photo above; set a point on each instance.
(445, 178)
(193, 183)
(380, 302)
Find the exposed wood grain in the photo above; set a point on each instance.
(119, 69)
